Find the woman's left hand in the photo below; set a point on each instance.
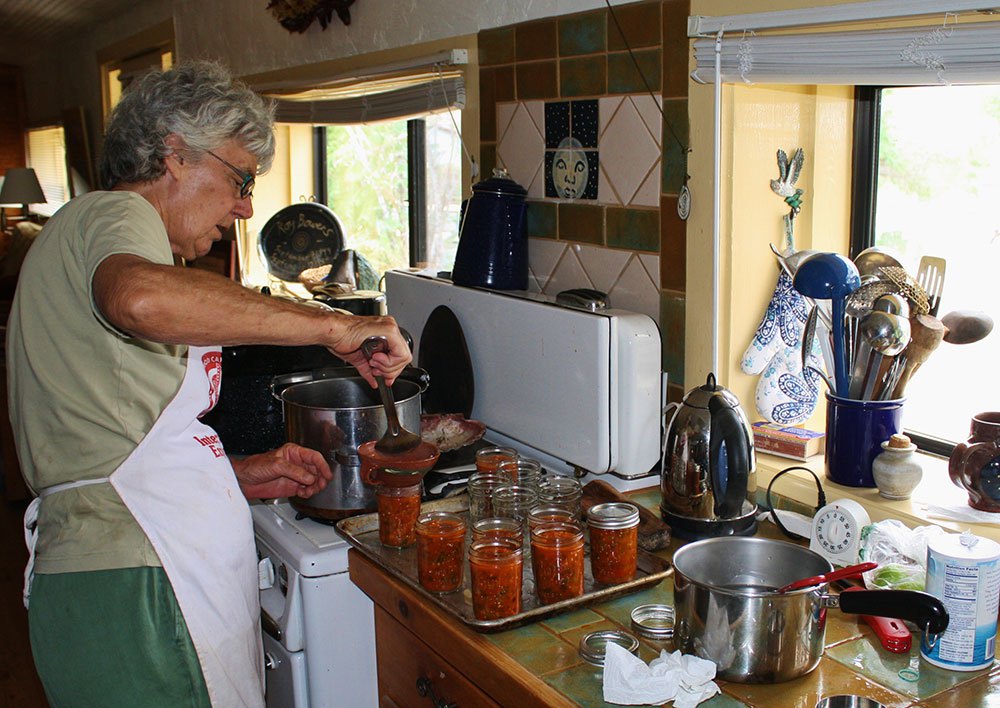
(289, 471)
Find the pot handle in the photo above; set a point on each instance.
(921, 608)
(729, 475)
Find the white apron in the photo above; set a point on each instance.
(180, 487)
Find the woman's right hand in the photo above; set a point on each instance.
(352, 330)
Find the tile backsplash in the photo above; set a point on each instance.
(588, 112)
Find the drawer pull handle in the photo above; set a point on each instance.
(426, 689)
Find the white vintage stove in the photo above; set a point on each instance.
(319, 628)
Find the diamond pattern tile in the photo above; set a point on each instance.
(602, 265)
(628, 150)
(636, 291)
(649, 111)
(652, 265)
(648, 193)
(543, 256)
(569, 273)
(521, 149)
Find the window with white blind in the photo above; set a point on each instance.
(47, 156)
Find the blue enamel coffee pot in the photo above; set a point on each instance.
(493, 243)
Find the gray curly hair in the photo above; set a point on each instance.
(200, 102)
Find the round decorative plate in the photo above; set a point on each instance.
(299, 237)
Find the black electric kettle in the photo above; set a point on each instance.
(493, 243)
(708, 475)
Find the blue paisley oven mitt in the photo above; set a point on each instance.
(785, 393)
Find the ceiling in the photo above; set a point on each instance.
(27, 27)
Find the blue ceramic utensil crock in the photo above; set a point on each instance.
(493, 244)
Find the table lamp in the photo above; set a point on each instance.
(20, 186)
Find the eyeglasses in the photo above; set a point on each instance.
(247, 178)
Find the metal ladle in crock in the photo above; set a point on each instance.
(399, 457)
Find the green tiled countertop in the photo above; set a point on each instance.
(853, 663)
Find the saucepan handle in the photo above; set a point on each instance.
(921, 608)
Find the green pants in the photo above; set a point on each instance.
(113, 638)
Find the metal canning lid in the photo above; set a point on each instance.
(613, 515)
(653, 621)
(594, 645)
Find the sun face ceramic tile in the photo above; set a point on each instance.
(571, 172)
(583, 122)
(556, 123)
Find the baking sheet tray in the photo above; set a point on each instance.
(362, 533)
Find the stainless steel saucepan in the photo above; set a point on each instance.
(729, 610)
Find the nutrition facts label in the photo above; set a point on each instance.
(969, 588)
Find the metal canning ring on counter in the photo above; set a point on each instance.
(594, 646)
(653, 621)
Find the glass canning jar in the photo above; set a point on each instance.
(614, 537)
(495, 528)
(398, 509)
(523, 471)
(561, 491)
(557, 561)
(481, 486)
(496, 569)
(544, 514)
(440, 551)
(489, 459)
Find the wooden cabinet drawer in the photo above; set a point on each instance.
(406, 666)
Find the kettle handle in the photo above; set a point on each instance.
(727, 435)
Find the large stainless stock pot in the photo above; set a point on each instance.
(334, 416)
(728, 609)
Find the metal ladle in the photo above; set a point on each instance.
(871, 259)
(888, 335)
(396, 439)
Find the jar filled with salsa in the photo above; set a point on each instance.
(398, 509)
(495, 567)
(614, 541)
(557, 561)
(440, 551)
(489, 459)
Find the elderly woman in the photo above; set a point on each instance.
(145, 579)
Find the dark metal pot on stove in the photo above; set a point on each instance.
(728, 609)
(334, 414)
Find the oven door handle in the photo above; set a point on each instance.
(270, 625)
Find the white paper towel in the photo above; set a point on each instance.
(963, 512)
(684, 679)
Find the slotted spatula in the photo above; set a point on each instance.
(930, 276)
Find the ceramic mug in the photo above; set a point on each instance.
(975, 464)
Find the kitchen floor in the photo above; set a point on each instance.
(19, 684)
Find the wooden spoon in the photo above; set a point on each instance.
(966, 326)
(926, 333)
